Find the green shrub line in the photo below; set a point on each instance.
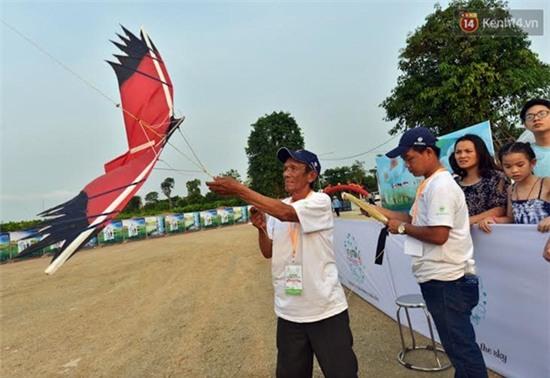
(143, 212)
(7, 254)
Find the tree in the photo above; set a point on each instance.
(211, 196)
(194, 191)
(451, 79)
(358, 173)
(372, 180)
(355, 174)
(133, 205)
(232, 173)
(151, 198)
(335, 176)
(347, 174)
(371, 183)
(268, 134)
(167, 185)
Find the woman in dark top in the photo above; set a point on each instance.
(484, 185)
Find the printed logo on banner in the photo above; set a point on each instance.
(174, 223)
(134, 228)
(353, 258)
(479, 312)
(191, 221)
(5, 250)
(112, 233)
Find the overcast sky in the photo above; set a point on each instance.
(330, 64)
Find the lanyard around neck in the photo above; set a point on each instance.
(420, 190)
(293, 234)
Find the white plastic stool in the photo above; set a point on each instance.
(416, 301)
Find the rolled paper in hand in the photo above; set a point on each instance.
(370, 209)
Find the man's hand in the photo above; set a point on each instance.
(393, 224)
(257, 218)
(225, 186)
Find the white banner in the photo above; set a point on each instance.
(512, 319)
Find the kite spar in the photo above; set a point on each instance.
(146, 94)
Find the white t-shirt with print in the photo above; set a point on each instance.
(322, 295)
(442, 203)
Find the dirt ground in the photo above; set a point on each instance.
(192, 305)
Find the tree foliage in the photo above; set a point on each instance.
(194, 191)
(451, 79)
(134, 204)
(151, 197)
(167, 185)
(20, 225)
(355, 174)
(212, 196)
(269, 133)
(232, 173)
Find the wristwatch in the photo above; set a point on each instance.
(401, 228)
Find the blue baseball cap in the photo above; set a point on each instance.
(417, 137)
(303, 156)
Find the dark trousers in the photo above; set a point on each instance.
(450, 303)
(337, 211)
(329, 339)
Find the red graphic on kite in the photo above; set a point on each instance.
(147, 105)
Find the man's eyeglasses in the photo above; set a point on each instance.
(540, 115)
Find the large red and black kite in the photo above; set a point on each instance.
(146, 94)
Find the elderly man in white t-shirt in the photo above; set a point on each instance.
(296, 233)
(438, 239)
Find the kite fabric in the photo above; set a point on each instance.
(146, 94)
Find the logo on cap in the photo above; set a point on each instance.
(419, 142)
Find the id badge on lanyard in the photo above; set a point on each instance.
(293, 279)
(293, 271)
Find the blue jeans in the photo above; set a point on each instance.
(450, 303)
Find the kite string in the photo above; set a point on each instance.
(203, 167)
(141, 124)
(363, 153)
(107, 97)
(63, 65)
(68, 69)
(170, 168)
(198, 165)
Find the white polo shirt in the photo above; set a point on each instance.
(442, 203)
(322, 295)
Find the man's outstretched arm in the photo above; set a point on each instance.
(228, 186)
